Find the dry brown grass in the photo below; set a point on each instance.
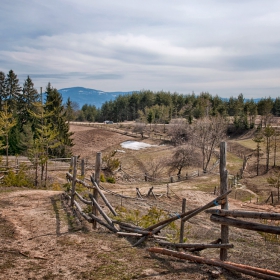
(62, 247)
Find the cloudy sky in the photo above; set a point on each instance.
(222, 47)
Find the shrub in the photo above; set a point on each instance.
(20, 179)
(102, 178)
(111, 180)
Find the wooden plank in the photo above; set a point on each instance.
(244, 224)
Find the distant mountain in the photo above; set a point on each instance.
(89, 96)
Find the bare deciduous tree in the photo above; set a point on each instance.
(178, 131)
(156, 168)
(184, 156)
(140, 128)
(207, 134)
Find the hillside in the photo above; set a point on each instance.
(43, 240)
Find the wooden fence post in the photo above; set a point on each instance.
(223, 189)
(71, 165)
(74, 179)
(182, 222)
(82, 167)
(97, 181)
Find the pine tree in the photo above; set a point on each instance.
(12, 91)
(26, 101)
(58, 122)
(2, 89)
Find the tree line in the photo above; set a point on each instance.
(161, 107)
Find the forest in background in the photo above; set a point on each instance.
(39, 127)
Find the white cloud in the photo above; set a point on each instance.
(224, 47)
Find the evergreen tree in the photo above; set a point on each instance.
(12, 91)
(69, 111)
(26, 101)
(58, 122)
(276, 107)
(2, 89)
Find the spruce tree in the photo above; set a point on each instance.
(57, 120)
(2, 89)
(12, 91)
(26, 102)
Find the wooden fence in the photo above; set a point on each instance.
(220, 216)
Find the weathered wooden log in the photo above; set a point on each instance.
(195, 245)
(253, 271)
(97, 170)
(138, 193)
(160, 225)
(129, 234)
(224, 189)
(244, 224)
(79, 209)
(150, 190)
(74, 181)
(245, 214)
(70, 177)
(104, 197)
(88, 202)
(187, 215)
(126, 225)
(154, 195)
(102, 223)
(182, 226)
(217, 241)
(139, 235)
(104, 215)
(142, 232)
(257, 269)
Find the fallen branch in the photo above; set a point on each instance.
(253, 271)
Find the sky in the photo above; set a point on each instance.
(216, 46)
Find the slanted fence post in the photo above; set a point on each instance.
(223, 189)
(182, 222)
(97, 181)
(74, 179)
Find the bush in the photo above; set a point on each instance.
(111, 180)
(20, 179)
(102, 178)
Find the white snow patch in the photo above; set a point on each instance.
(135, 145)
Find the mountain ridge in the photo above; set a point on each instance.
(82, 95)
